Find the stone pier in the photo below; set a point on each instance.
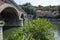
(2, 23)
(1, 33)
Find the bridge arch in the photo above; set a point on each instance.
(10, 16)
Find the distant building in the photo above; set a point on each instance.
(46, 13)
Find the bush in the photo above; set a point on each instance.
(39, 29)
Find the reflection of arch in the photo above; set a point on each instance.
(10, 16)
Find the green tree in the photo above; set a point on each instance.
(59, 8)
(28, 8)
(39, 29)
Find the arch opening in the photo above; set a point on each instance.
(10, 16)
(22, 16)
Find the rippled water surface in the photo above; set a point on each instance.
(56, 25)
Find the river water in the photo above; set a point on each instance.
(56, 24)
(57, 36)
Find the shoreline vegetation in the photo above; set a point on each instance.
(39, 29)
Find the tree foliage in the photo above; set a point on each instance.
(28, 8)
(59, 8)
(39, 29)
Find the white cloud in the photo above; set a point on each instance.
(39, 2)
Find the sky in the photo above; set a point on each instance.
(39, 2)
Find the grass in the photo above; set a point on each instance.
(8, 32)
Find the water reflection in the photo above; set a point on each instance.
(57, 37)
(56, 25)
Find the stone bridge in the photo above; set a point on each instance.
(11, 14)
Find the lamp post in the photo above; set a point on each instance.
(2, 23)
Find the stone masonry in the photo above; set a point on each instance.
(11, 14)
